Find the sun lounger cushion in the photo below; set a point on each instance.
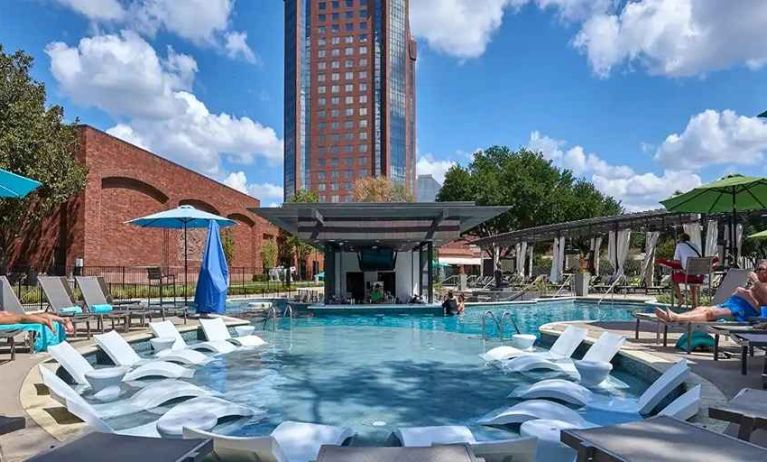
(700, 341)
(71, 310)
(101, 309)
(43, 335)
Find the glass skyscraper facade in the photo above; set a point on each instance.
(349, 95)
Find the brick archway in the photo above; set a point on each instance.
(200, 204)
(123, 182)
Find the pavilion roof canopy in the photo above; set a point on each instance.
(397, 225)
(653, 220)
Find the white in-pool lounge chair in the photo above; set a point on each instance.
(122, 354)
(289, 442)
(146, 398)
(168, 329)
(202, 411)
(534, 409)
(122, 349)
(684, 407)
(573, 393)
(517, 450)
(216, 331)
(563, 348)
(603, 350)
(77, 366)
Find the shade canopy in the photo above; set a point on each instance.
(733, 192)
(400, 226)
(181, 217)
(16, 186)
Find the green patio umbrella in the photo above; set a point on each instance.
(730, 194)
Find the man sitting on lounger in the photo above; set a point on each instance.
(46, 319)
(742, 305)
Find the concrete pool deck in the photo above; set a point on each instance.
(48, 424)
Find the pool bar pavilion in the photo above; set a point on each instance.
(378, 252)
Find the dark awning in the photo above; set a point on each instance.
(396, 225)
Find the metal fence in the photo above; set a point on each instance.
(151, 283)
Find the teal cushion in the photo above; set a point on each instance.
(101, 309)
(71, 310)
(700, 341)
(43, 335)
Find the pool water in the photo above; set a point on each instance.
(376, 373)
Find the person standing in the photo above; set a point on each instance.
(686, 249)
(450, 305)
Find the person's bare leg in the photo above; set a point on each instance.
(699, 314)
(678, 292)
(694, 295)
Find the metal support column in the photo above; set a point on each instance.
(429, 260)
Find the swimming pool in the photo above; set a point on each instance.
(376, 373)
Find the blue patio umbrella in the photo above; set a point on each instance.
(16, 186)
(182, 217)
(213, 282)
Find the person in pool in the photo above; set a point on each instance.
(450, 305)
(742, 305)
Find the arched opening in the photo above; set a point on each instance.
(121, 182)
(198, 204)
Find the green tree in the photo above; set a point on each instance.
(291, 248)
(36, 142)
(227, 243)
(269, 254)
(380, 189)
(537, 192)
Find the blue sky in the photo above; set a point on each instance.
(642, 97)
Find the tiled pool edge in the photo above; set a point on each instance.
(35, 404)
(650, 366)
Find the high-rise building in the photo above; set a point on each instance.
(349, 95)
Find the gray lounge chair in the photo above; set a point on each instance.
(62, 301)
(732, 280)
(96, 293)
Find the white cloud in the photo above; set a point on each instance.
(202, 22)
(428, 165)
(676, 37)
(102, 10)
(122, 75)
(237, 46)
(264, 191)
(126, 133)
(712, 138)
(461, 28)
(637, 191)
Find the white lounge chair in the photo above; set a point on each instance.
(187, 357)
(534, 409)
(603, 350)
(122, 354)
(77, 366)
(563, 348)
(684, 407)
(517, 449)
(573, 393)
(203, 411)
(289, 442)
(216, 331)
(150, 397)
(168, 329)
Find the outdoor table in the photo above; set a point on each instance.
(451, 453)
(162, 343)
(100, 379)
(748, 409)
(96, 447)
(244, 331)
(658, 439)
(11, 424)
(749, 342)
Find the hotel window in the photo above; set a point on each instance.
(320, 114)
(362, 173)
(335, 100)
(348, 63)
(321, 65)
(334, 173)
(348, 88)
(349, 39)
(322, 6)
(335, 88)
(349, 27)
(348, 174)
(363, 74)
(363, 87)
(334, 125)
(348, 149)
(334, 198)
(321, 30)
(349, 3)
(320, 176)
(363, 123)
(349, 100)
(348, 51)
(321, 42)
(349, 124)
(335, 4)
(335, 16)
(321, 89)
(363, 62)
(348, 186)
(363, 26)
(363, 148)
(335, 139)
(322, 125)
(323, 198)
(335, 65)
(363, 135)
(349, 112)
(321, 187)
(335, 29)
(363, 14)
(335, 77)
(363, 37)
(321, 101)
(349, 15)
(363, 99)
(363, 111)
(363, 160)
(334, 113)
(363, 50)
(320, 77)
(335, 40)
(349, 75)
(322, 18)
(335, 52)
(348, 136)
(334, 186)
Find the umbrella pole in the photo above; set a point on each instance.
(185, 267)
(733, 236)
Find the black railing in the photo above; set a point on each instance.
(140, 283)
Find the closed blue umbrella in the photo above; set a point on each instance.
(213, 282)
(17, 186)
(182, 217)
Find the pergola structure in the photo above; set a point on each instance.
(654, 220)
(345, 231)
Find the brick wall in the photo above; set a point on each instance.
(125, 182)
